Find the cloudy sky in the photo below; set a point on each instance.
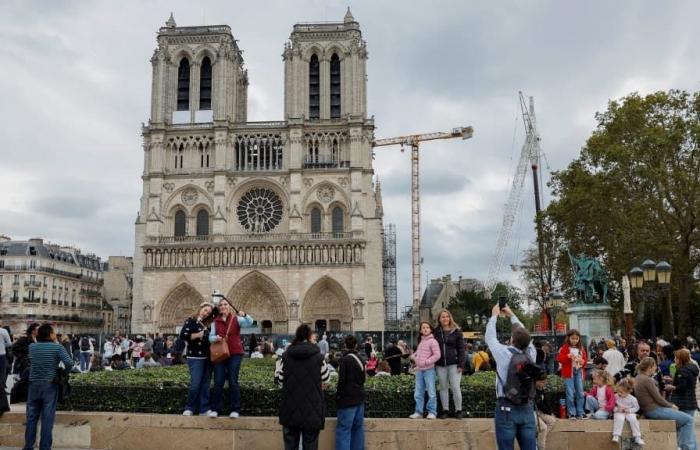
(75, 84)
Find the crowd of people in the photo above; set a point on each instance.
(656, 379)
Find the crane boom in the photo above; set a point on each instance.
(414, 141)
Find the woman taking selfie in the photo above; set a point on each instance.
(227, 326)
(195, 332)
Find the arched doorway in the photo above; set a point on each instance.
(327, 306)
(258, 295)
(179, 304)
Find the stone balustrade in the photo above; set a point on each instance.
(118, 431)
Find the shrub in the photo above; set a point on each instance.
(164, 391)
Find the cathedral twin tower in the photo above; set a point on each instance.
(281, 217)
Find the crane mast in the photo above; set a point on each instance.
(414, 141)
(530, 153)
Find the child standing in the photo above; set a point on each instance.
(626, 407)
(425, 356)
(572, 357)
(600, 402)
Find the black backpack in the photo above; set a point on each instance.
(84, 344)
(519, 387)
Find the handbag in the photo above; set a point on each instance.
(219, 351)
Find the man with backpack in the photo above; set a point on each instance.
(85, 350)
(515, 383)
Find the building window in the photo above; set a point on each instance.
(335, 87)
(180, 229)
(15, 296)
(338, 219)
(32, 264)
(316, 220)
(202, 223)
(314, 88)
(183, 85)
(205, 84)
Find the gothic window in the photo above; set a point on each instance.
(205, 84)
(338, 219)
(202, 223)
(180, 218)
(335, 151)
(314, 88)
(259, 210)
(316, 220)
(335, 87)
(183, 85)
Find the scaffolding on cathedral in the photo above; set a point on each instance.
(389, 267)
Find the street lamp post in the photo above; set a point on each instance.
(555, 303)
(651, 282)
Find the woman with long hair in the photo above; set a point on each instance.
(302, 371)
(449, 367)
(684, 381)
(572, 357)
(195, 332)
(227, 325)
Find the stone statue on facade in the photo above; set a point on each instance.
(590, 279)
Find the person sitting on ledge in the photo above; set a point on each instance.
(147, 361)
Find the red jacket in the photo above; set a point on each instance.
(563, 358)
(609, 405)
(235, 346)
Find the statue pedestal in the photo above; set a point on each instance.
(592, 321)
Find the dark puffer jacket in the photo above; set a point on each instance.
(301, 372)
(683, 395)
(451, 347)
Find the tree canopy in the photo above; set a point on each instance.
(634, 192)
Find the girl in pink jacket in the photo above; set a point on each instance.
(425, 356)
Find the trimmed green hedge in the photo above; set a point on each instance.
(164, 391)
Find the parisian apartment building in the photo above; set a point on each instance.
(44, 282)
(118, 273)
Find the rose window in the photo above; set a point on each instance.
(259, 210)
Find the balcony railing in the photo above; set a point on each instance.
(32, 284)
(324, 162)
(259, 237)
(31, 300)
(25, 268)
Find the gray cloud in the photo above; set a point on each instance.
(76, 86)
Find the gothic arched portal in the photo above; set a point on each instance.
(327, 306)
(179, 304)
(258, 295)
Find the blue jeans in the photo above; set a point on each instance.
(425, 379)
(685, 431)
(350, 428)
(515, 422)
(41, 402)
(227, 371)
(574, 394)
(200, 379)
(84, 361)
(592, 406)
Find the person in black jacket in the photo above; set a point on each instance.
(302, 372)
(451, 362)
(195, 332)
(683, 394)
(350, 428)
(392, 355)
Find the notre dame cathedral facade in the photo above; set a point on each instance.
(281, 217)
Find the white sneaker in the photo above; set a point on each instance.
(187, 412)
(234, 415)
(431, 416)
(213, 414)
(616, 438)
(639, 441)
(415, 416)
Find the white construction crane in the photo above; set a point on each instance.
(530, 153)
(414, 142)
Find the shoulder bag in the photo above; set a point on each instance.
(219, 351)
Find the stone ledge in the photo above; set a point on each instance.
(120, 431)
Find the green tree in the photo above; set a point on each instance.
(479, 302)
(634, 192)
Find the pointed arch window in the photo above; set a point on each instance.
(205, 84)
(202, 223)
(338, 219)
(335, 86)
(183, 85)
(180, 222)
(316, 220)
(314, 88)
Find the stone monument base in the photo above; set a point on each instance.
(592, 321)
